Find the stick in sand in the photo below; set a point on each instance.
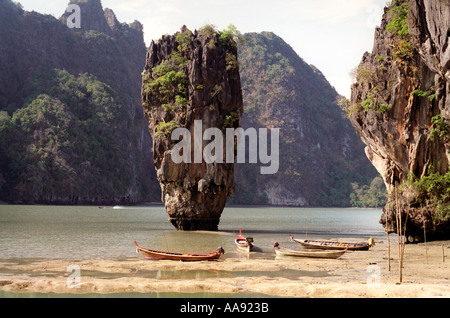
(389, 242)
(425, 239)
(443, 258)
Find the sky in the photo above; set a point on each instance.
(332, 35)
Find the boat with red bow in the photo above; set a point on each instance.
(244, 243)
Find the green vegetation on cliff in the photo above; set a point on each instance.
(440, 128)
(433, 191)
(169, 83)
(399, 14)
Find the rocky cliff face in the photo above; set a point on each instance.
(192, 78)
(400, 107)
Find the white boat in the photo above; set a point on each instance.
(244, 243)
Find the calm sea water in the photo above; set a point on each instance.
(80, 232)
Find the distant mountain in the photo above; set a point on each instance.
(320, 153)
(72, 128)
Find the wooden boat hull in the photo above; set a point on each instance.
(160, 255)
(243, 243)
(332, 245)
(309, 253)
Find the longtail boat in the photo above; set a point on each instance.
(244, 243)
(334, 245)
(308, 253)
(160, 255)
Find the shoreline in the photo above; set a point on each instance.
(161, 204)
(358, 274)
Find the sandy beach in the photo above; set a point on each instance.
(356, 274)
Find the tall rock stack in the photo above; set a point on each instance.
(192, 79)
(400, 107)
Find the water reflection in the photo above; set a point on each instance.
(170, 274)
(205, 274)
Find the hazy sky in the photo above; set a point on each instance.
(330, 34)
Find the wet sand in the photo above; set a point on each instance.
(356, 274)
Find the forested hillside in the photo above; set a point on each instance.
(72, 128)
